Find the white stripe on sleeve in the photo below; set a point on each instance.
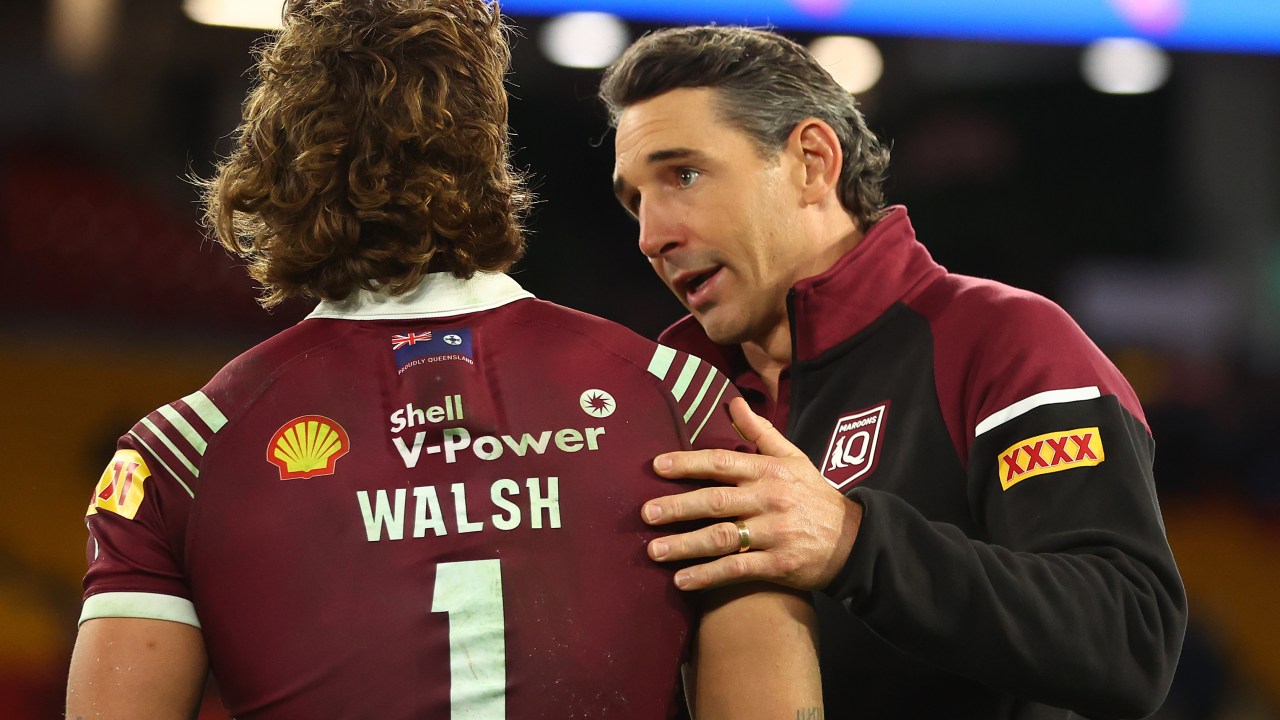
(1026, 405)
(151, 606)
(661, 361)
(207, 411)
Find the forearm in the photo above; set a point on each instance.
(756, 655)
(1090, 620)
(136, 669)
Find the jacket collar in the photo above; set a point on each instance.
(438, 295)
(887, 266)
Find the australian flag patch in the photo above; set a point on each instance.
(416, 348)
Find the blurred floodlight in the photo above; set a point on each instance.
(854, 62)
(256, 14)
(82, 31)
(1124, 66)
(584, 39)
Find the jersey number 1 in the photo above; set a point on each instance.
(471, 593)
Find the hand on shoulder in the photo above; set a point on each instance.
(797, 528)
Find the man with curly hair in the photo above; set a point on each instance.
(966, 480)
(423, 501)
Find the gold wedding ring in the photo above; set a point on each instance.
(744, 536)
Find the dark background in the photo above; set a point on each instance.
(1152, 218)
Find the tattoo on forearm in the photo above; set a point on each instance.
(812, 713)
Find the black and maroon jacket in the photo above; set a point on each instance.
(1012, 561)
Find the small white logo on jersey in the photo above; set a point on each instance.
(597, 403)
(452, 339)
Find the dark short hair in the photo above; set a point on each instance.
(767, 84)
(374, 148)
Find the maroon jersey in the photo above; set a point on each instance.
(417, 507)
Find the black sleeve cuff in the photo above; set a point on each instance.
(853, 582)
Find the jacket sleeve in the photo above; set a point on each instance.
(1069, 595)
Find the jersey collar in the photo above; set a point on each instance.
(438, 295)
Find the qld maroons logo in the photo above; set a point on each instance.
(854, 448)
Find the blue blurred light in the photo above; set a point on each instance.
(1221, 25)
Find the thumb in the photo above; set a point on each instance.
(760, 431)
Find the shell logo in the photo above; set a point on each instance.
(308, 447)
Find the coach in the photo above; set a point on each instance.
(970, 488)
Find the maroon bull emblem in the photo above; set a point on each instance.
(855, 446)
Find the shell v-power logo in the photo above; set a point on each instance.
(308, 447)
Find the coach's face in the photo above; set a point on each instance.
(717, 220)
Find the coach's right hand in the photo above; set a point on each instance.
(793, 528)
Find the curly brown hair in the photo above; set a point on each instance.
(374, 149)
(767, 84)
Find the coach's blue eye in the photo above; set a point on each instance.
(688, 176)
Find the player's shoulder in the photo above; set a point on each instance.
(560, 329)
(692, 388)
(177, 435)
(238, 383)
(246, 377)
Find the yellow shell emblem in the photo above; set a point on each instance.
(308, 447)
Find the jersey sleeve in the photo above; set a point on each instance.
(699, 395)
(1069, 595)
(137, 516)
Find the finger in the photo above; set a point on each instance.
(760, 431)
(710, 502)
(720, 465)
(711, 541)
(738, 568)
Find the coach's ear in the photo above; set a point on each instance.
(817, 146)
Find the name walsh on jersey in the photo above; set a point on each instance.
(536, 505)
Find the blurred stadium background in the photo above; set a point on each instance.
(1120, 156)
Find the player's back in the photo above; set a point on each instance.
(399, 508)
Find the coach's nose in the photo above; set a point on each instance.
(660, 233)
